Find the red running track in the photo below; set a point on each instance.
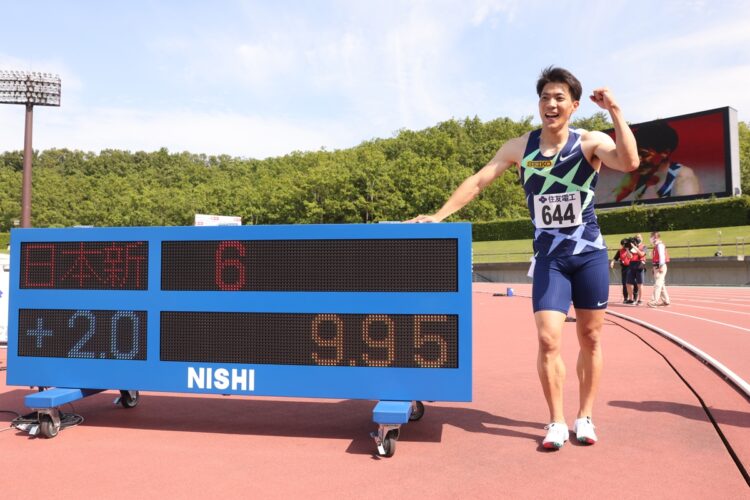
(656, 440)
(717, 319)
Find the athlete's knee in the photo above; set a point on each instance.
(550, 342)
(590, 339)
(549, 326)
(589, 326)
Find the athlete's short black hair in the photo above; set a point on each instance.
(552, 74)
(657, 135)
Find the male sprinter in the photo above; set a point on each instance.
(559, 167)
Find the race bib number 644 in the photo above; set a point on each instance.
(557, 210)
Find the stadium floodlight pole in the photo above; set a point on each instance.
(31, 89)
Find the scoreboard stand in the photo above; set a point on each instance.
(128, 399)
(47, 404)
(390, 415)
(360, 311)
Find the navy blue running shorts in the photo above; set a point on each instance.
(635, 275)
(582, 279)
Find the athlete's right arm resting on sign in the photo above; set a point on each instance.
(509, 154)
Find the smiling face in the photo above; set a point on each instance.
(556, 105)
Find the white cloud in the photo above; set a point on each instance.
(694, 71)
(384, 68)
(410, 69)
(177, 130)
(485, 9)
(717, 88)
(729, 35)
(262, 63)
(394, 65)
(266, 84)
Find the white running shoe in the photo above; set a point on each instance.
(584, 430)
(557, 434)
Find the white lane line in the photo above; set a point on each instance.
(682, 304)
(661, 309)
(706, 294)
(703, 296)
(710, 294)
(677, 298)
(729, 374)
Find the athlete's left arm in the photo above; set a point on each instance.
(622, 153)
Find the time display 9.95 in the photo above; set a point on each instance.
(362, 340)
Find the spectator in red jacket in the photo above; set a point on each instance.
(636, 269)
(623, 256)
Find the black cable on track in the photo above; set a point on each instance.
(706, 410)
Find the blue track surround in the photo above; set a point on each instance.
(114, 338)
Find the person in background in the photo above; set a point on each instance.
(623, 256)
(660, 257)
(636, 270)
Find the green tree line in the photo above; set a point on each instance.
(383, 179)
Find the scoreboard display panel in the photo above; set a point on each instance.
(681, 158)
(365, 311)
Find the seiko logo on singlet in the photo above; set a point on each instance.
(539, 164)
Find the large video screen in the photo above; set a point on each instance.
(681, 158)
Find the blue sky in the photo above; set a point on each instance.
(265, 78)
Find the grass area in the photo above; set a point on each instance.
(687, 243)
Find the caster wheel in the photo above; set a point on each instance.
(129, 399)
(417, 412)
(47, 427)
(389, 444)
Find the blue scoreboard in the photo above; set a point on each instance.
(375, 311)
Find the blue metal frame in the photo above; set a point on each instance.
(433, 384)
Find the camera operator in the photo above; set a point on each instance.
(636, 269)
(624, 256)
